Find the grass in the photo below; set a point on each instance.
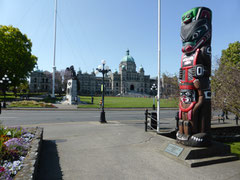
(235, 148)
(110, 102)
(125, 102)
(11, 97)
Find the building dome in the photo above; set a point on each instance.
(127, 58)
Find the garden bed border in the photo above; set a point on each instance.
(31, 162)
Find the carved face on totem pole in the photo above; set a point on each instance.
(194, 84)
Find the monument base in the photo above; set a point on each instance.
(196, 156)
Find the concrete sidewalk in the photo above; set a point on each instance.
(90, 150)
(66, 106)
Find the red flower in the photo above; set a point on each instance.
(2, 169)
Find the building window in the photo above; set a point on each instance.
(117, 84)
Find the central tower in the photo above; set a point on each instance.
(127, 63)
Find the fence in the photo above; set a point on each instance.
(150, 120)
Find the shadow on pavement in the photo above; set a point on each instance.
(49, 166)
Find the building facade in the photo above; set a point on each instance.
(40, 82)
(127, 80)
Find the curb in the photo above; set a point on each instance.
(30, 163)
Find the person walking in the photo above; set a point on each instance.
(224, 113)
(100, 104)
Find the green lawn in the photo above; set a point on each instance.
(235, 148)
(125, 102)
(8, 96)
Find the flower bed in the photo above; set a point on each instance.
(33, 104)
(16, 145)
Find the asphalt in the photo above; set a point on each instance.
(116, 150)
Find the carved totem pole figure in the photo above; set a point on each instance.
(194, 83)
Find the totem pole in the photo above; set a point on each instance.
(195, 93)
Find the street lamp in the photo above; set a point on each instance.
(153, 89)
(5, 81)
(104, 70)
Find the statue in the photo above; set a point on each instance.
(72, 87)
(195, 93)
(73, 72)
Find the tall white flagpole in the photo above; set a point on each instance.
(54, 51)
(159, 66)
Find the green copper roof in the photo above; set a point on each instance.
(128, 57)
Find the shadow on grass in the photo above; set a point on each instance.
(49, 166)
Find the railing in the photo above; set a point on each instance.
(150, 120)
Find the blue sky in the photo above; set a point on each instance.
(91, 30)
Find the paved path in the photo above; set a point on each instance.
(117, 150)
(65, 106)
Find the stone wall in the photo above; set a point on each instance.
(30, 164)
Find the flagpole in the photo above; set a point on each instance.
(54, 50)
(159, 66)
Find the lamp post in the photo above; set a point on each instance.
(104, 70)
(153, 89)
(5, 81)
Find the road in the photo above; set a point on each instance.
(76, 146)
(20, 117)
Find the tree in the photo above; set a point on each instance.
(226, 82)
(23, 87)
(58, 80)
(16, 59)
(170, 85)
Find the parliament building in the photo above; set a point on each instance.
(126, 80)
